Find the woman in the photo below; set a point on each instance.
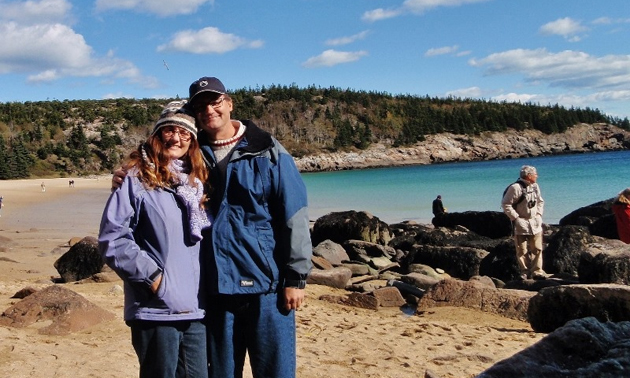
(149, 235)
(621, 209)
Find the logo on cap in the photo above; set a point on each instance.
(203, 83)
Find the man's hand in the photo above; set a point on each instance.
(293, 298)
(156, 284)
(119, 176)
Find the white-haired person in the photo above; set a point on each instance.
(149, 235)
(524, 205)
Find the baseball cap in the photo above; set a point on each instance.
(205, 84)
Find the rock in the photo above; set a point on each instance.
(501, 262)
(426, 270)
(375, 255)
(597, 217)
(337, 277)
(564, 248)
(81, 261)
(406, 289)
(68, 311)
(419, 280)
(331, 251)
(25, 292)
(509, 303)
(347, 225)
(552, 307)
(583, 348)
(460, 262)
(321, 263)
(389, 297)
(492, 224)
(605, 262)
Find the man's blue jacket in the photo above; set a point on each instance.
(260, 237)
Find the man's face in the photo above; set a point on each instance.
(532, 177)
(212, 111)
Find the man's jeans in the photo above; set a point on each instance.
(170, 349)
(254, 324)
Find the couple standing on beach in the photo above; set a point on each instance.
(210, 233)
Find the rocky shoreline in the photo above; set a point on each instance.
(446, 147)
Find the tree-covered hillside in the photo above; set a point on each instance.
(80, 137)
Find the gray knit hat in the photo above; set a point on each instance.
(176, 114)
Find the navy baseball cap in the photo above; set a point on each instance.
(203, 85)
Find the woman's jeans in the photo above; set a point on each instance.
(170, 349)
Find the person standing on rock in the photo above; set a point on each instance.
(149, 235)
(524, 205)
(438, 206)
(621, 209)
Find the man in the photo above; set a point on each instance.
(438, 206)
(258, 252)
(523, 204)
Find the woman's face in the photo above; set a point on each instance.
(176, 141)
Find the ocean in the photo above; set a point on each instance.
(396, 194)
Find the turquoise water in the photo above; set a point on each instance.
(567, 183)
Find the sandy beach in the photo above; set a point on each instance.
(333, 340)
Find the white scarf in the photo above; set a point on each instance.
(191, 194)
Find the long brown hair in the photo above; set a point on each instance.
(152, 160)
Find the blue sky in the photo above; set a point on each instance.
(571, 52)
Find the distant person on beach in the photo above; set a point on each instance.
(438, 206)
(43, 187)
(259, 253)
(149, 235)
(621, 209)
(524, 205)
(1, 204)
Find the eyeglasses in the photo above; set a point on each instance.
(169, 131)
(200, 107)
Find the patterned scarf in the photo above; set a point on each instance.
(191, 194)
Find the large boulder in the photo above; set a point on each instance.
(552, 307)
(564, 248)
(583, 348)
(597, 217)
(460, 262)
(331, 251)
(346, 225)
(477, 295)
(337, 277)
(66, 311)
(501, 262)
(492, 224)
(605, 262)
(81, 261)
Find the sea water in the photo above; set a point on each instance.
(396, 194)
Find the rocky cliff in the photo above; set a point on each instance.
(447, 147)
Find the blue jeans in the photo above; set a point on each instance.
(255, 324)
(170, 349)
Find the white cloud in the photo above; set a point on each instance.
(413, 6)
(565, 27)
(566, 69)
(472, 92)
(346, 40)
(441, 50)
(35, 12)
(161, 8)
(421, 6)
(48, 52)
(380, 14)
(331, 58)
(207, 41)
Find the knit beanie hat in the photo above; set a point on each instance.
(176, 114)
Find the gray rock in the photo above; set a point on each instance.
(605, 262)
(337, 277)
(347, 225)
(331, 251)
(419, 280)
(552, 307)
(81, 261)
(460, 262)
(450, 292)
(583, 348)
